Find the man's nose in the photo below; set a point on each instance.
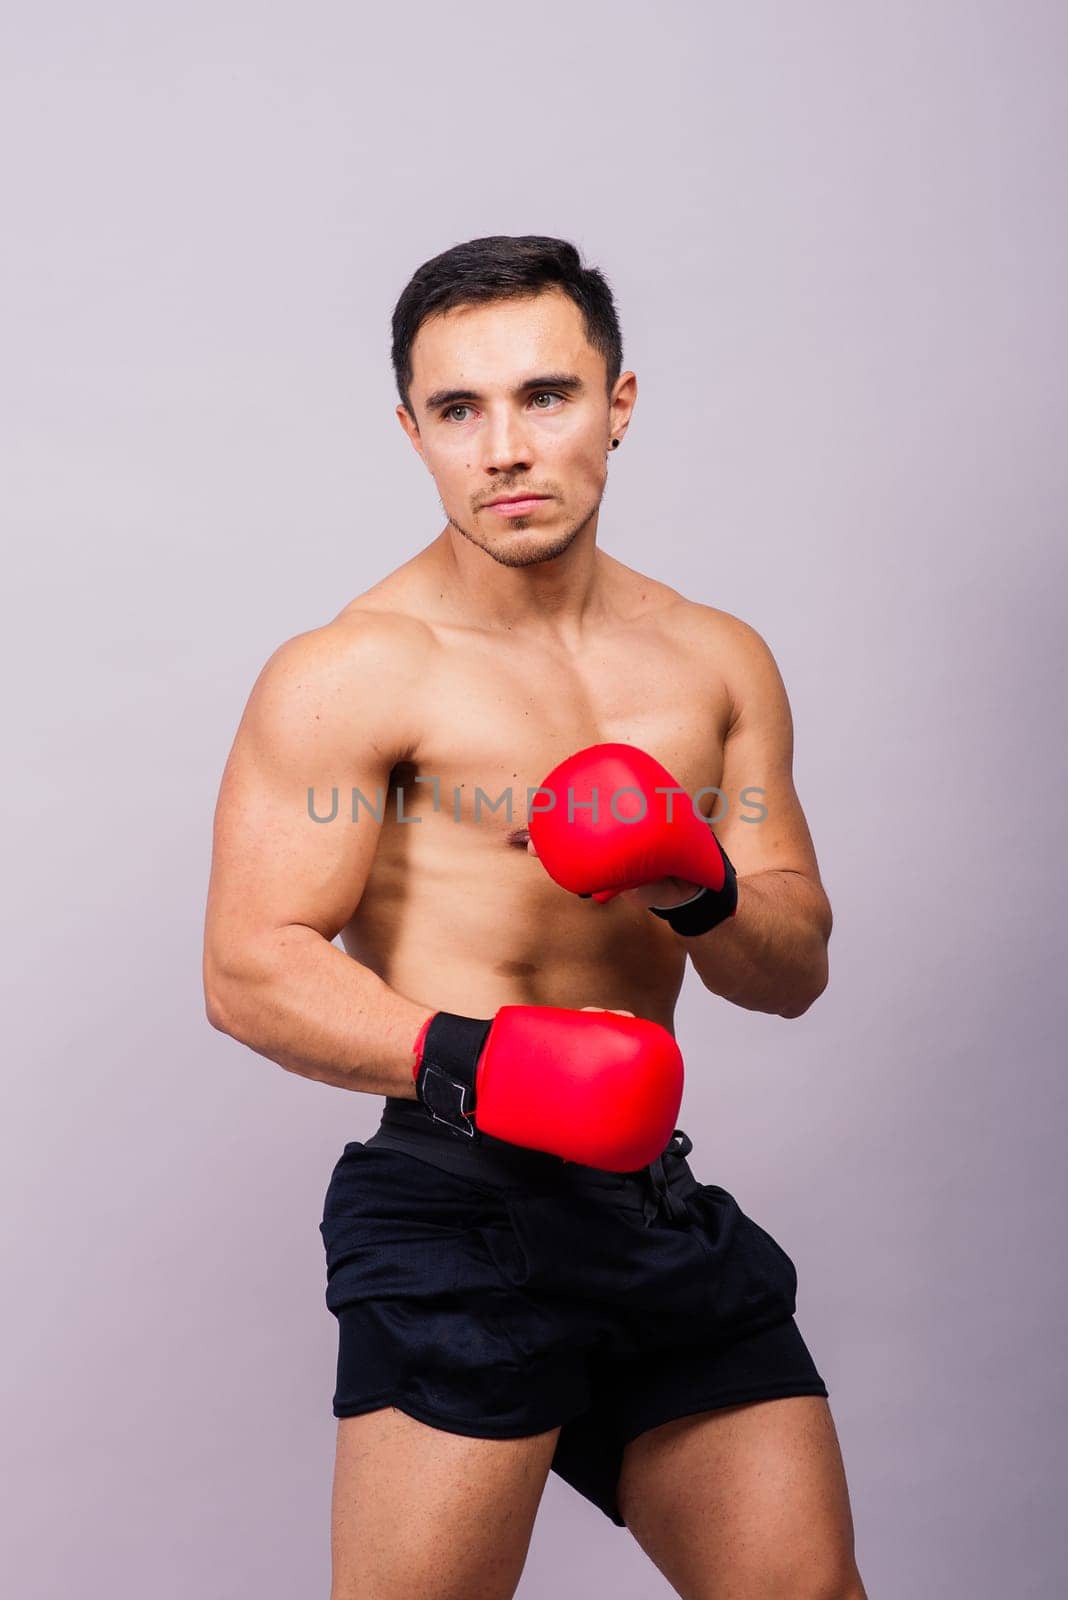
(505, 444)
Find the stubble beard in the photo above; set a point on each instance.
(530, 553)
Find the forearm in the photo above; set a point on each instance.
(771, 955)
(312, 1009)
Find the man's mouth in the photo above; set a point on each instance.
(517, 503)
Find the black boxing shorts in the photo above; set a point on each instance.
(499, 1292)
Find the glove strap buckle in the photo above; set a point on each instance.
(448, 1100)
(445, 1082)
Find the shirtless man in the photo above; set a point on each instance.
(502, 1317)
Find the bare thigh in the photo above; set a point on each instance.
(418, 1511)
(745, 1503)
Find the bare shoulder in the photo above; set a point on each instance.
(710, 624)
(737, 653)
(691, 620)
(354, 678)
(634, 594)
(365, 649)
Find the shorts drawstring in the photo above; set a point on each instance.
(661, 1199)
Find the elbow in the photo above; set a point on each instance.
(803, 1002)
(223, 1001)
(233, 977)
(238, 991)
(216, 1008)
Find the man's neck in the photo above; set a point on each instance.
(561, 594)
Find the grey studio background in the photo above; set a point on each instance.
(836, 237)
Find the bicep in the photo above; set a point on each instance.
(317, 720)
(763, 827)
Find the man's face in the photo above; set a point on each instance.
(510, 399)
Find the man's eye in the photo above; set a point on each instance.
(542, 394)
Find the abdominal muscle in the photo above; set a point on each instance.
(484, 926)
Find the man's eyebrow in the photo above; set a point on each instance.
(551, 380)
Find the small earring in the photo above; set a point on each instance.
(615, 443)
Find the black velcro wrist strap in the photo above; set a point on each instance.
(445, 1081)
(708, 909)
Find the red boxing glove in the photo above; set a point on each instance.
(616, 820)
(588, 1086)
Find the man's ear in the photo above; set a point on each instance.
(411, 428)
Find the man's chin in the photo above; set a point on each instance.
(523, 553)
(519, 546)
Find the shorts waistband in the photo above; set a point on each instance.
(405, 1126)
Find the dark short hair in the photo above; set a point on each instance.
(504, 267)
